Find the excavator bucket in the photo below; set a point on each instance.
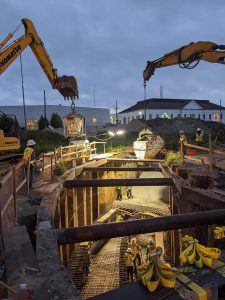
(67, 86)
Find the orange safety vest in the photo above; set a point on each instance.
(27, 154)
(129, 260)
(199, 137)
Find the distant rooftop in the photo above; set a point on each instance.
(166, 103)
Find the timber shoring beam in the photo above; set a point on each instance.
(134, 160)
(120, 169)
(127, 228)
(118, 182)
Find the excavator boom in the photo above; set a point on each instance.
(66, 85)
(187, 57)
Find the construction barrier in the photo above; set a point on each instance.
(10, 184)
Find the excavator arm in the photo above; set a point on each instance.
(66, 85)
(187, 57)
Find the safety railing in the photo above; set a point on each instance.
(66, 153)
(10, 184)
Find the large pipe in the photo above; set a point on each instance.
(118, 182)
(127, 228)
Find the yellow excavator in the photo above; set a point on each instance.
(66, 85)
(187, 57)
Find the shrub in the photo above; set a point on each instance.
(173, 157)
(56, 121)
(42, 123)
(60, 168)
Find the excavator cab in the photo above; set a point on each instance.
(67, 86)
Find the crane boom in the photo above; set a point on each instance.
(66, 85)
(187, 57)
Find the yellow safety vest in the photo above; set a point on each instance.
(119, 218)
(27, 154)
(199, 137)
(183, 138)
(129, 260)
(135, 249)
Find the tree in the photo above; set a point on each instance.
(42, 123)
(56, 121)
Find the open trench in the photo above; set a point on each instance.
(105, 269)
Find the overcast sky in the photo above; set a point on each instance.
(105, 44)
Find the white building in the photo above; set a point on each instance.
(172, 108)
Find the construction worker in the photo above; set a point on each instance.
(136, 249)
(118, 193)
(151, 248)
(29, 155)
(119, 218)
(183, 137)
(129, 192)
(129, 263)
(199, 136)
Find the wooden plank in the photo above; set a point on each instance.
(204, 149)
(118, 182)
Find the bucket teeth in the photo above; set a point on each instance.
(67, 86)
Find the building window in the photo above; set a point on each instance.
(203, 116)
(157, 115)
(210, 117)
(128, 120)
(132, 117)
(221, 117)
(150, 116)
(184, 115)
(178, 115)
(199, 116)
(192, 116)
(137, 117)
(171, 116)
(124, 120)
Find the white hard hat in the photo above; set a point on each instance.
(129, 250)
(199, 129)
(181, 131)
(31, 143)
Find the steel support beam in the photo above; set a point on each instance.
(127, 228)
(134, 160)
(121, 169)
(118, 182)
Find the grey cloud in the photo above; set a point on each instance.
(106, 44)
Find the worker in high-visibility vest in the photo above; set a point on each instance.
(29, 155)
(183, 137)
(129, 263)
(119, 218)
(151, 248)
(129, 192)
(118, 193)
(136, 251)
(199, 136)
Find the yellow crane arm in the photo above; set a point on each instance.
(187, 57)
(66, 85)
